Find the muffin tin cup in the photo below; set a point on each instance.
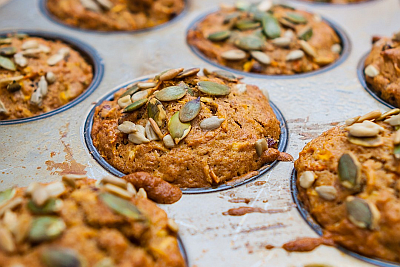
(368, 87)
(183, 251)
(283, 141)
(346, 48)
(318, 229)
(54, 19)
(91, 56)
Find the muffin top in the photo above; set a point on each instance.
(348, 179)
(382, 70)
(189, 130)
(115, 15)
(39, 75)
(265, 38)
(80, 222)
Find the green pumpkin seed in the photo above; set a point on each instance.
(286, 6)
(228, 18)
(130, 90)
(51, 206)
(296, 18)
(234, 54)
(156, 111)
(8, 51)
(261, 57)
(21, 35)
(121, 206)
(287, 23)
(247, 24)
(366, 141)
(6, 195)
(13, 87)
(259, 15)
(223, 74)
(305, 34)
(7, 64)
(190, 110)
(188, 72)
(396, 151)
(60, 257)
(46, 228)
(213, 88)
(219, 36)
(362, 213)
(249, 43)
(170, 93)
(242, 5)
(177, 129)
(271, 27)
(349, 171)
(5, 41)
(135, 105)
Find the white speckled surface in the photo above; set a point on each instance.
(31, 151)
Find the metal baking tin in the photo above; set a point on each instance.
(86, 51)
(367, 86)
(318, 229)
(283, 141)
(51, 17)
(346, 48)
(183, 251)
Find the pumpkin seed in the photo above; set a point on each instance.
(261, 145)
(29, 44)
(285, 6)
(351, 121)
(370, 116)
(5, 41)
(146, 85)
(150, 134)
(242, 5)
(40, 195)
(362, 213)
(226, 75)
(91, 5)
(394, 120)
(55, 189)
(396, 151)
(135, 105)
(115, 181)
(125, 101)
(44, 48)
(172, 225)
(155, 128)
(365, 141)
(21, 35)
(271, 26)
(7, 64)
(261, 57)
(265, 5)
(156, 111)
(60, 257)
(336, 48)
(211, 123)
(371, 71)
(6, 195)
(106, 4)
(307, 179)
(130, 90)
(235, 54)
(140, 95)
(13, 87)
(294, 55)
(247, 24)
(51, 77)
(118, 191)
(287, 23)
(3, 108)
(138, 137)
(33, 52)
(8, 51)
(305, 34)
(190, 110)
(20, 60)
(10, 221)
(52, 206)
(219, 36)
(349, 171)
(281, 41)
(170, 93)
(249, 43)
(10, 205)
(6, 241)
(296, 18)
(43, 86)
(141, 193)
(213, 88)
(121, 206)
(326, 192)
(170, 74)
(389, 113)
(187, 73)
(46, 228)
(364, 129)
(127, 127)
(308, 48)
(168, 141)
(230, 17)
(177, 129)
(54, 59)
(324, 60)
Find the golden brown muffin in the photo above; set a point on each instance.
(348, 179)
(382, 70)
(39, 75)
(189, 130)
(266, 39)
(80, 222)
(115, 15)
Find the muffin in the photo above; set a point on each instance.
(39, 75)
(115, 15)
(349, 180)
(81, 222)
(381, 68)
(266, 39)
(189, 130)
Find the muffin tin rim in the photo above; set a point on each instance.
(85, 50)
(88, 123)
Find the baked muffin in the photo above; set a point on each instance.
(189, 130)
(349, 180)
(39, 75)
(81, 222)
(266, 39)
(381, 68)
(115, 15)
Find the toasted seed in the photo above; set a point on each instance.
(121, 206)
(287, 23)
(190, 110)
(170, 93)
(211, 123)
(3, 108)
(43, 86)
(396, 138)
(118, 191)
(308, 48)
(5, 41)
(324, 60)
(187, 73)
(242, 5)
(54, 59)
(91, 5)
(370, 115)
(130, 90)
(10, 205)
(44, 48)
(20, 60)
(170, 74)
(29, 44)
(261, 145)
(271, 26)
(213, 88)
(106, 4)
(135, 105)
(138, 137)
(127, 127)
(71, 179)
(6, 240)
(294, 55)
(307, 179)
(389, 113)
(46, 228)
(140, 95)
(226, 75)
(336, 48)
(131, 189)
(33, 52)
(250, 42)
(281, 41)
(219, 36)
(289, 34)
(141, 193)
(51, 77)
(371, 71)
(168, 141)
(7, 64)
(125, 101)
(231, 17)
(146, 85)
(55, 189)
(326, 192)
(177, 129)
(296, 18)
(10, 221)
(172, 225)
(8, 51)
(351, 121)
(261, 57)
(150, 134)
(6, 195)
(366, 141)
(13, 87)
(305, 34)
(349, 170)
(265, 5)
(40, 195)
(60, 257)
(394, 120)
(115, 181)
(52, 206)
(247, 24)
(156, 111)
(364, 129)
(362, 213)
(234, 54)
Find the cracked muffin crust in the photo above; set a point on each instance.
(348, 180)
(189, 130)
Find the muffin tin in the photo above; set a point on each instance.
(44, 148)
